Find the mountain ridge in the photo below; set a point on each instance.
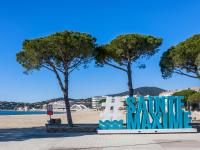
(142, 91)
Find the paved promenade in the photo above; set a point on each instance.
(38, 139)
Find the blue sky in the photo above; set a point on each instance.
(174, 21)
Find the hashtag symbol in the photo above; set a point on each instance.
(111, 111)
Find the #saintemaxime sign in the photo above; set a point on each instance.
(152, 112)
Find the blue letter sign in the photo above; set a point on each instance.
(156, 113)
(152, 112)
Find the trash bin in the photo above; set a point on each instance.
(55, 121)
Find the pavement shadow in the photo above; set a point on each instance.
(20, 134)
(120, 146)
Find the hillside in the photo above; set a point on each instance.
(38, 105)
(143, 91)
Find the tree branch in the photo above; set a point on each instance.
(182, 73)
(52, 67)
(74, 66)
(72, 70)
(57, 76)
(190, 68)
(107, 63)
(62, 71)
(78, 63)
(47, 68)
(123, 64)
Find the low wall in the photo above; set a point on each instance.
(76, 128)
(196, 115)
(88, 127)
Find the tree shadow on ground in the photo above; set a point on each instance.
(21, 134)
(177, 144)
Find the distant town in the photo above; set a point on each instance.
(88, 103)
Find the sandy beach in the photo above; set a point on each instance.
(22, 132)
(26, 121)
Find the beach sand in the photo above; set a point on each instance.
(27, 121)
(22, 132)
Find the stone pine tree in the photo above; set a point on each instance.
(195, 99)
(61, 53)
(126, 49)
(186, 94)
(182, 59)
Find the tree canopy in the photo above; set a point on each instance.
(61, 53)
(127, 48)
(185, 93)
(194, 98)
(182, 59)
(59, 49)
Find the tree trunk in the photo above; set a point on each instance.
(199, 106)
(66, 99)
(129, 73)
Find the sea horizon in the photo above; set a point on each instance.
(21, 112)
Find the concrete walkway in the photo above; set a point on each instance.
(38, 139)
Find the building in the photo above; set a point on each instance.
(60, 104)
(171, 92)
(23, 108)
(168, 93)
(197, 89)
(96, 101)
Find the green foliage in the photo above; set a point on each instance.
(194, 98)
(185, 93)
(183, 59)
(128, 47)
(102, 101)
(61, 51)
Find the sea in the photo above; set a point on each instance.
(14, 112)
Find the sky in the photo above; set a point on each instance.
(172, 20)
